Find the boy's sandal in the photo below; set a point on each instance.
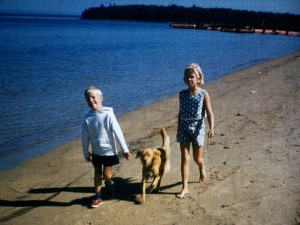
(96, 203)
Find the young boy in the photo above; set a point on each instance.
(100, 128)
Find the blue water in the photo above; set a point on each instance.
(46, 64)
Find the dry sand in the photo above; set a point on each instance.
(252, 164)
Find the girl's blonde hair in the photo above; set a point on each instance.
(194, 67)
(93, 89)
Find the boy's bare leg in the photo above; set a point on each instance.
(98, 181)
(107, 173)
(108, 181)
(185, 157)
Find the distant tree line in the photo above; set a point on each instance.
(195, 15)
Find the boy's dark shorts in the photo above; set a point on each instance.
(98, 160)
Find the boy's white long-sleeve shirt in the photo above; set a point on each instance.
(100, 128)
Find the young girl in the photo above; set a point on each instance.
(194, 104)
(100, 129)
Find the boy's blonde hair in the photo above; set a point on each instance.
(94, 89)
(194, 67)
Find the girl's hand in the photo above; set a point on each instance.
(211, 133)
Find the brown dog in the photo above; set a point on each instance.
(155, 164)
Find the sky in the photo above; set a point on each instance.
(75, 7)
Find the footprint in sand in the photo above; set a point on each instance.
(216, 176)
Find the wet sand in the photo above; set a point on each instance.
(252, 164)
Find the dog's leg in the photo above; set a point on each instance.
(154, 184)
(143, 195)
(157, 189)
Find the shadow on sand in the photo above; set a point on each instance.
(124, 190)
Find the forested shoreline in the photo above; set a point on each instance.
(214, 17)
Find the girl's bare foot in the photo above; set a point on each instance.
(202, 175)
(182, 193)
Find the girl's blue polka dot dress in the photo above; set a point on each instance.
(191, 125)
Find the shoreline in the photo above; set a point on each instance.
(74, 138)
(252, 164)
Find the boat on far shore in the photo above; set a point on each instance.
(234, 29)
(183, 25)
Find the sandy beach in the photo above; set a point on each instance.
(252, 164)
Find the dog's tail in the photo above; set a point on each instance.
(166, 145)
(166, 140)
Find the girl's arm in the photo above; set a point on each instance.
(179, 117)
(210, 115)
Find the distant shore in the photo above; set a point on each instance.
(252, 164)
(241, 21)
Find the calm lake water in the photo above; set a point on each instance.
(47, 63)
